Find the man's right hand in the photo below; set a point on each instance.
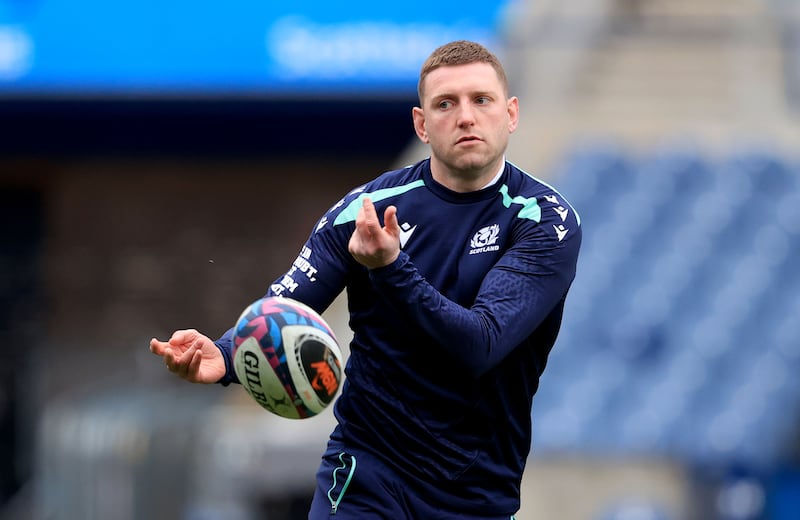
(191, 355)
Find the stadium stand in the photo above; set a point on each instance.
(679, 336)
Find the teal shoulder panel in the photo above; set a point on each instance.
(530, 206)
(349, 213)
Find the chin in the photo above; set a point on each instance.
(476, 166)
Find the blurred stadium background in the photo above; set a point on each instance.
(161, 164)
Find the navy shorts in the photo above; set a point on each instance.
(351, 487)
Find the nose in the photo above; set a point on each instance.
(466, 115)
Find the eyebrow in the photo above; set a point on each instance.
(473, 94)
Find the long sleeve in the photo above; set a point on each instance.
(514, 297)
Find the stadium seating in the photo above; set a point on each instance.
(681, 335)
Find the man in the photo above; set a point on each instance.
(455, 301)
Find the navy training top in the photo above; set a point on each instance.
(450, 340)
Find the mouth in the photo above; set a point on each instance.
(468, 139)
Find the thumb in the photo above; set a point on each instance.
(390, 222)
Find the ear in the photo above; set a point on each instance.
(513, 114)
(419, 124)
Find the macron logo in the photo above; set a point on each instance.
(561, 231)
(561, 210)
(405, 233)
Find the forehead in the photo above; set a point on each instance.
(459, 79)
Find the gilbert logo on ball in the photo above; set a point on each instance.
(286, 357)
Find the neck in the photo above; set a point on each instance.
(465, 180)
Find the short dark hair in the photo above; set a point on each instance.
(461, 52)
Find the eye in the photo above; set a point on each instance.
(483, 100)
(445, 104)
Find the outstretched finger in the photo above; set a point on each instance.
(370, 219)
(157, 347)
(390, 221)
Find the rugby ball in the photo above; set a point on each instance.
(287, 357)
